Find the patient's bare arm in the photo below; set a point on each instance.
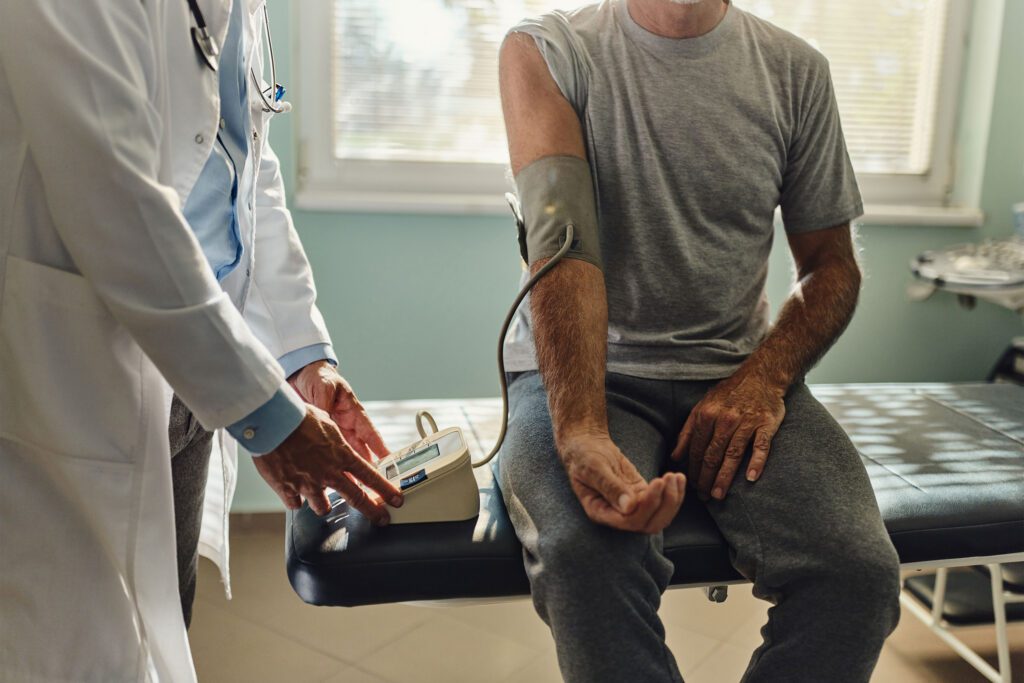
(749, 405)
(570, 319)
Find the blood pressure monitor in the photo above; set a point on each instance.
(436, 478)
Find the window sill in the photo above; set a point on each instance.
(935, 216)
(399, 202)
(896, 215)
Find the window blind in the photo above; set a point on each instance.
(416, 80)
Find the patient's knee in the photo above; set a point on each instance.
(593, 555)
(867, 577)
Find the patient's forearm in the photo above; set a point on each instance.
(812, 318)
(570, 320)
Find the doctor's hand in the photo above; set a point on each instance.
(612, 491)
(319, 384)
(315, 456)
(736, 412)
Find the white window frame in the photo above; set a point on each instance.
(325, 183)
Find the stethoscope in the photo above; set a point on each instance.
(210, 53)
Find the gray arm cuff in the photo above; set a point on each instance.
(553, 192)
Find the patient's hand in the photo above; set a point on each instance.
(319, 384)
(739, 410)
(611, 489)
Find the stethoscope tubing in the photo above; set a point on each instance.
(209, 52)
(269, 103)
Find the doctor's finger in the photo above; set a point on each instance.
(288, 495)
(317, 499)
(357, 444)
(368, 433)
(358, 499)
(363, 471)
(291, 499)
(348, 409)
(360, 447)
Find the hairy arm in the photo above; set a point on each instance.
(570, 318)
(749, 405)
(569, 305)
(816, 312)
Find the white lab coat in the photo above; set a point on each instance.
(107, 117)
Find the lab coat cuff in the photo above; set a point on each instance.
(268, 426)
(293, 361)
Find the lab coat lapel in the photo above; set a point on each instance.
(220, 490)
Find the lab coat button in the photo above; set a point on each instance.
(223, 124)
(249, 434)
(200, 139)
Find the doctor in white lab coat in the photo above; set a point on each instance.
(111, 302)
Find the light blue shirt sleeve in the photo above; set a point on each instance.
(294, 361)
(268, 426)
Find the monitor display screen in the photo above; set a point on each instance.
(414, 460)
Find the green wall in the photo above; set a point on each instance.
(414, 302)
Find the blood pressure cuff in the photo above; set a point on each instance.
(553, 192)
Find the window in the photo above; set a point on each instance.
(411, 118)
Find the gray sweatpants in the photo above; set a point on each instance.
(191, 446)
(808, 534)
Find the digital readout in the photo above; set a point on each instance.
(414, 460)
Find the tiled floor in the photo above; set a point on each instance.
(267, 634)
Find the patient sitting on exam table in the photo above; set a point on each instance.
(695, 121)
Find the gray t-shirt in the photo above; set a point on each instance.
(693, 143)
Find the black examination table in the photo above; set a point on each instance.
(946, 462)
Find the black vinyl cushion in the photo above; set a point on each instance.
(946, 463)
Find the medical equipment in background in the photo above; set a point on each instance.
(1010, 366)
(992, 270)
(435, 474)
(209, 52)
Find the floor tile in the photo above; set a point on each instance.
(748, 634)
(227, 648)
(351, 674)
(515, 619)
(725, 664)
(689, 647)
(444, 650)
(690, 650)
(543, 669)
(262, 594)
(690, 609)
